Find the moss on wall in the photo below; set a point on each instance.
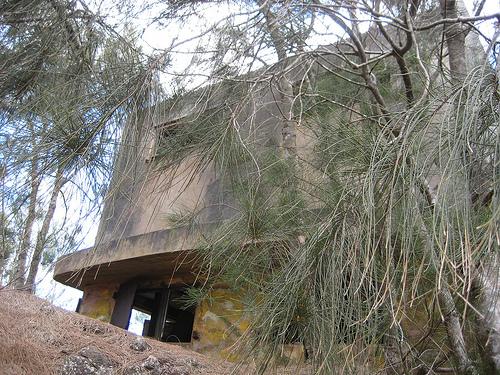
(98, 301)
(218, 323)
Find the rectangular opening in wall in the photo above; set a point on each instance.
(167, 138)
(138, 321)
(160, 140)
(164, 316)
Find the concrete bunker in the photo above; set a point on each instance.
(140, 260)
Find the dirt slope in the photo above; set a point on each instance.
(38, 338)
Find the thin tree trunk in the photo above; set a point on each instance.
(18, 278)
(487, 279)
(451, 318)
(3, 261)
(289, 126)
(4, 251)
(455, 41)
(272, 27)
(3, 225)
(393, 355)
(488, 326)
(454, 331)
(42, 234)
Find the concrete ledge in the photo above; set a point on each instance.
(164, 253)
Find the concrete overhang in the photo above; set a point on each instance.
(168, 253)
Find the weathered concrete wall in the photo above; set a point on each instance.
(167, 193)
(141, 196)
(218, 324)
(98, 301)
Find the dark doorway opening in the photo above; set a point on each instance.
(170, 321)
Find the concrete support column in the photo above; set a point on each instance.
(98, 301)
(124, 299)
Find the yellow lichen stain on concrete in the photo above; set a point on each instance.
(218, 323)
(98, 301)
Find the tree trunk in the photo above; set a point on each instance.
(487, 279)
(455, 41)
(42, 234)
(3, 261)
(5, 245)
(3, 225)
(394, 353)
(451, 318)
(454, 332)
(18, 278)
(272, 25)
(288, 128)
(488, 283)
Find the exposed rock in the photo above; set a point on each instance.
(150, 366)
(93, 328)
(151, 363)
(88, 361)
(194, 363)
(177, 371)
(78, 365)
(162, 370)
(134, 370)
(96, 357)
(91, 361)
(140, 345)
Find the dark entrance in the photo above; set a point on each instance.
(170, 320)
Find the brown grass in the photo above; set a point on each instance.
(35, 338)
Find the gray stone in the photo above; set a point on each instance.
(134, 370)
(96, 357)
(78, 365)
(177, 371)
(140, 345)
(150, 366)
(193, 362)
(93, 328)
(88, 361)
(151, 363)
